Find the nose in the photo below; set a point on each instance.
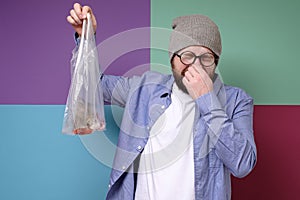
(197, 62)
(198, 65)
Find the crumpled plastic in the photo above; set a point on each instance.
(84, 112)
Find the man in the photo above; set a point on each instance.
(182, 135)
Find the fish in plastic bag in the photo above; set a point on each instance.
(84, 112)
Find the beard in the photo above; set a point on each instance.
(178, 80)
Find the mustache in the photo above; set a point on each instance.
(178, 80)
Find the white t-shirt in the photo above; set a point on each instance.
(166, 169)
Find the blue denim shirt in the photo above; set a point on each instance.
(223, 132)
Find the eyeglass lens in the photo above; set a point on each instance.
(206, 59)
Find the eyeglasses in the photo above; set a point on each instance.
(206, 59)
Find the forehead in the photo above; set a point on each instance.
(196, 49)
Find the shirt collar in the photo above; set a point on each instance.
(218, 84)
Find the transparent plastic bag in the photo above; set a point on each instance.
(84, 112)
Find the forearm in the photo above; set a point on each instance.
(115, 89)
(230, 137)
(236, 151)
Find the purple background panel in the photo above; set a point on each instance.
(37, 42)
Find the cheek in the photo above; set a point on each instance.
(177, 65)
(210, 72)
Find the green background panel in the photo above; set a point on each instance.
(260, 44)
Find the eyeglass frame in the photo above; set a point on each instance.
(216, 58)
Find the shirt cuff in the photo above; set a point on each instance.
(77, 38)
(208, 103)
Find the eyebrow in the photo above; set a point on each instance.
(180, 52)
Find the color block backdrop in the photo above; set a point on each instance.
(260, 51)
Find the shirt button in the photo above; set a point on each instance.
(139, 147)
(148, 127)
(109, 185)
(162, 107)
(123, 167)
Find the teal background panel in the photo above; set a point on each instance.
(38, 162)
(260, 44)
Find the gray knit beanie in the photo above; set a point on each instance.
(194, 30)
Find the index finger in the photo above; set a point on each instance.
(78, 10)
(85, 10)
(198, 70)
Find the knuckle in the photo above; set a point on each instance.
(77, 5)
(69, 18)
(87, 8)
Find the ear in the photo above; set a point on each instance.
(172, 59)
(216, 59)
